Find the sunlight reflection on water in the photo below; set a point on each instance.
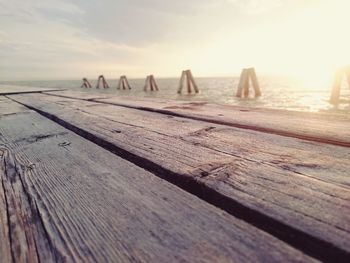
(280, 93)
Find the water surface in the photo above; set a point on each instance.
(278, 92)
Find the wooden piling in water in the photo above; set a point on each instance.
(187, 75)
(255, 82)
(123, 83)
(247, 75)
(335, 95)
(102, 79)
(154, 84)
(150, 84)
(86, 83)
(147, 83)
(182, 78)
(243, 83)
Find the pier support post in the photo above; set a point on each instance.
(86, 83)
(335, 96)
(243, 83)
(183, 75)
(247, 75)
(123, 83)
(187, 75)
(153, 83)
(255, 82)
(102, 79)
(150, 84)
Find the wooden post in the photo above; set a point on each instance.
(104, 82)
(98, 82)
(246, 86)
(182, 79)
(191, 82)
(86, 83)
(127, 83)
(247, 75)
(194, 84)
(347, 71)
(123, 83)
(187, 75)
(255, 82)
(150, 83)
(188, 81)
(243, 83)
(119, 83)
(147, 83)
(153, 83)
(335, 96)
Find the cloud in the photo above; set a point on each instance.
(40, 36)
(134, 22)
(64, 37)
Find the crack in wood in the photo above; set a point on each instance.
(12, 114)
(40, 137)
(201, 132)
(7, 254)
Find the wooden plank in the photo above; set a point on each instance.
(7, 107)
(325, 128)
(86, 95)
(5, 244)
(320, 127)
(295, 185)
(323, 162)
(67, 199)
(12, 89)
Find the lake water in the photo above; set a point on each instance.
(278, 92)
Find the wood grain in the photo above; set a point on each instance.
(66, 199)
(13, 89)
(300, 188)
(320, 127)
(7, 107)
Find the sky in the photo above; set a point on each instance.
(52, 39)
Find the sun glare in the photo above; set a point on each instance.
(323, 41)
(310, 44)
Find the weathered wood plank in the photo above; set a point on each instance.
(288, 181)
(80, 95)
(69, 200)
(320, 127)
(13, 89)
(7, 107)
(323, 162)
(5, 244)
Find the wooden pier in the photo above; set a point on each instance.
(99, 178)
(150, 84)
(248, 75)
(337, 84)
(123, 83)
(187, 80)
(102, 81)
